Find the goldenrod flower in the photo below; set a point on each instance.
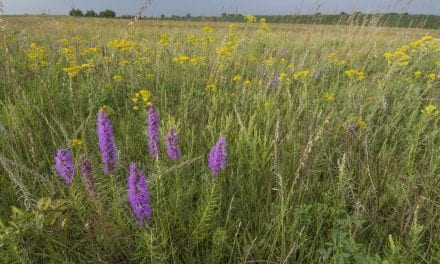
(361, 123)
(432, 76)
(236, 78)
(211, 87)
(117, 78)
(329, 97)
(207, 29)
(250, 18)
(164, 39)
(76, 143)
(301, 74)
(430, 110)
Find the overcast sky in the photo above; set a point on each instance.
(216, 7)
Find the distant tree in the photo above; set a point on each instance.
(343, 14)
(91, 13)
(162, 16)
(188, 15)
(75, 12)
(224, 14)
(126, 16)
(107, 13)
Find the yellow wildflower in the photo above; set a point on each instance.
(211, 87)
(299, 75)
(72, 71)
(247, 83)
(76, 143)
(164, 39)
(236, 78)
(150, 76)
(117, 78)
(361, 123)
(250, 18)
(333, 57)
(360, 75)
(432, 76)
(418, 73)
(329, 97)
(342, 62)
(430, 110)
(207, 29)
(269, 61)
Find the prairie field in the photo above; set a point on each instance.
(210, 142)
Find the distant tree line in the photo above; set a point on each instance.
(355, 18)
(90, 13)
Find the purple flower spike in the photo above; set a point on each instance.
(172, 142)
(64, 165)
(153, 133)
(106, 142)
(138, 194)
(86, 172)
(218, 156)
(274, 82)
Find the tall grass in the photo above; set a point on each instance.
(324, 167)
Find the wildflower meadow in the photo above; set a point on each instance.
(214, 142)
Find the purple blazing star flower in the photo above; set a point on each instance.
(172, 142)
(218, 156)
(138, 194)
(86, 173)
(106, 142)
(274, 82)
(64, 165)
(153, 133)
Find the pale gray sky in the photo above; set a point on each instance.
(216, 7)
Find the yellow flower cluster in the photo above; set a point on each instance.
(227, 49)
(401, 55)
(72, 71)
(361, 123)
(301, 74)
(190, 39)
(430, 110)
(360, 75)
(117, 78)
(247, 83)
(270, 61)
(284, 77)
(232, 26)
(164, 39)
(250, 18)
(122, 45)
(333, 57)
(182, 59)
(92, 50)
(236, 78)
(329, 97)
(37, 55)
(211, 87)
(264, 27)
(143, 97)
(207, 29)
(76, 143)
